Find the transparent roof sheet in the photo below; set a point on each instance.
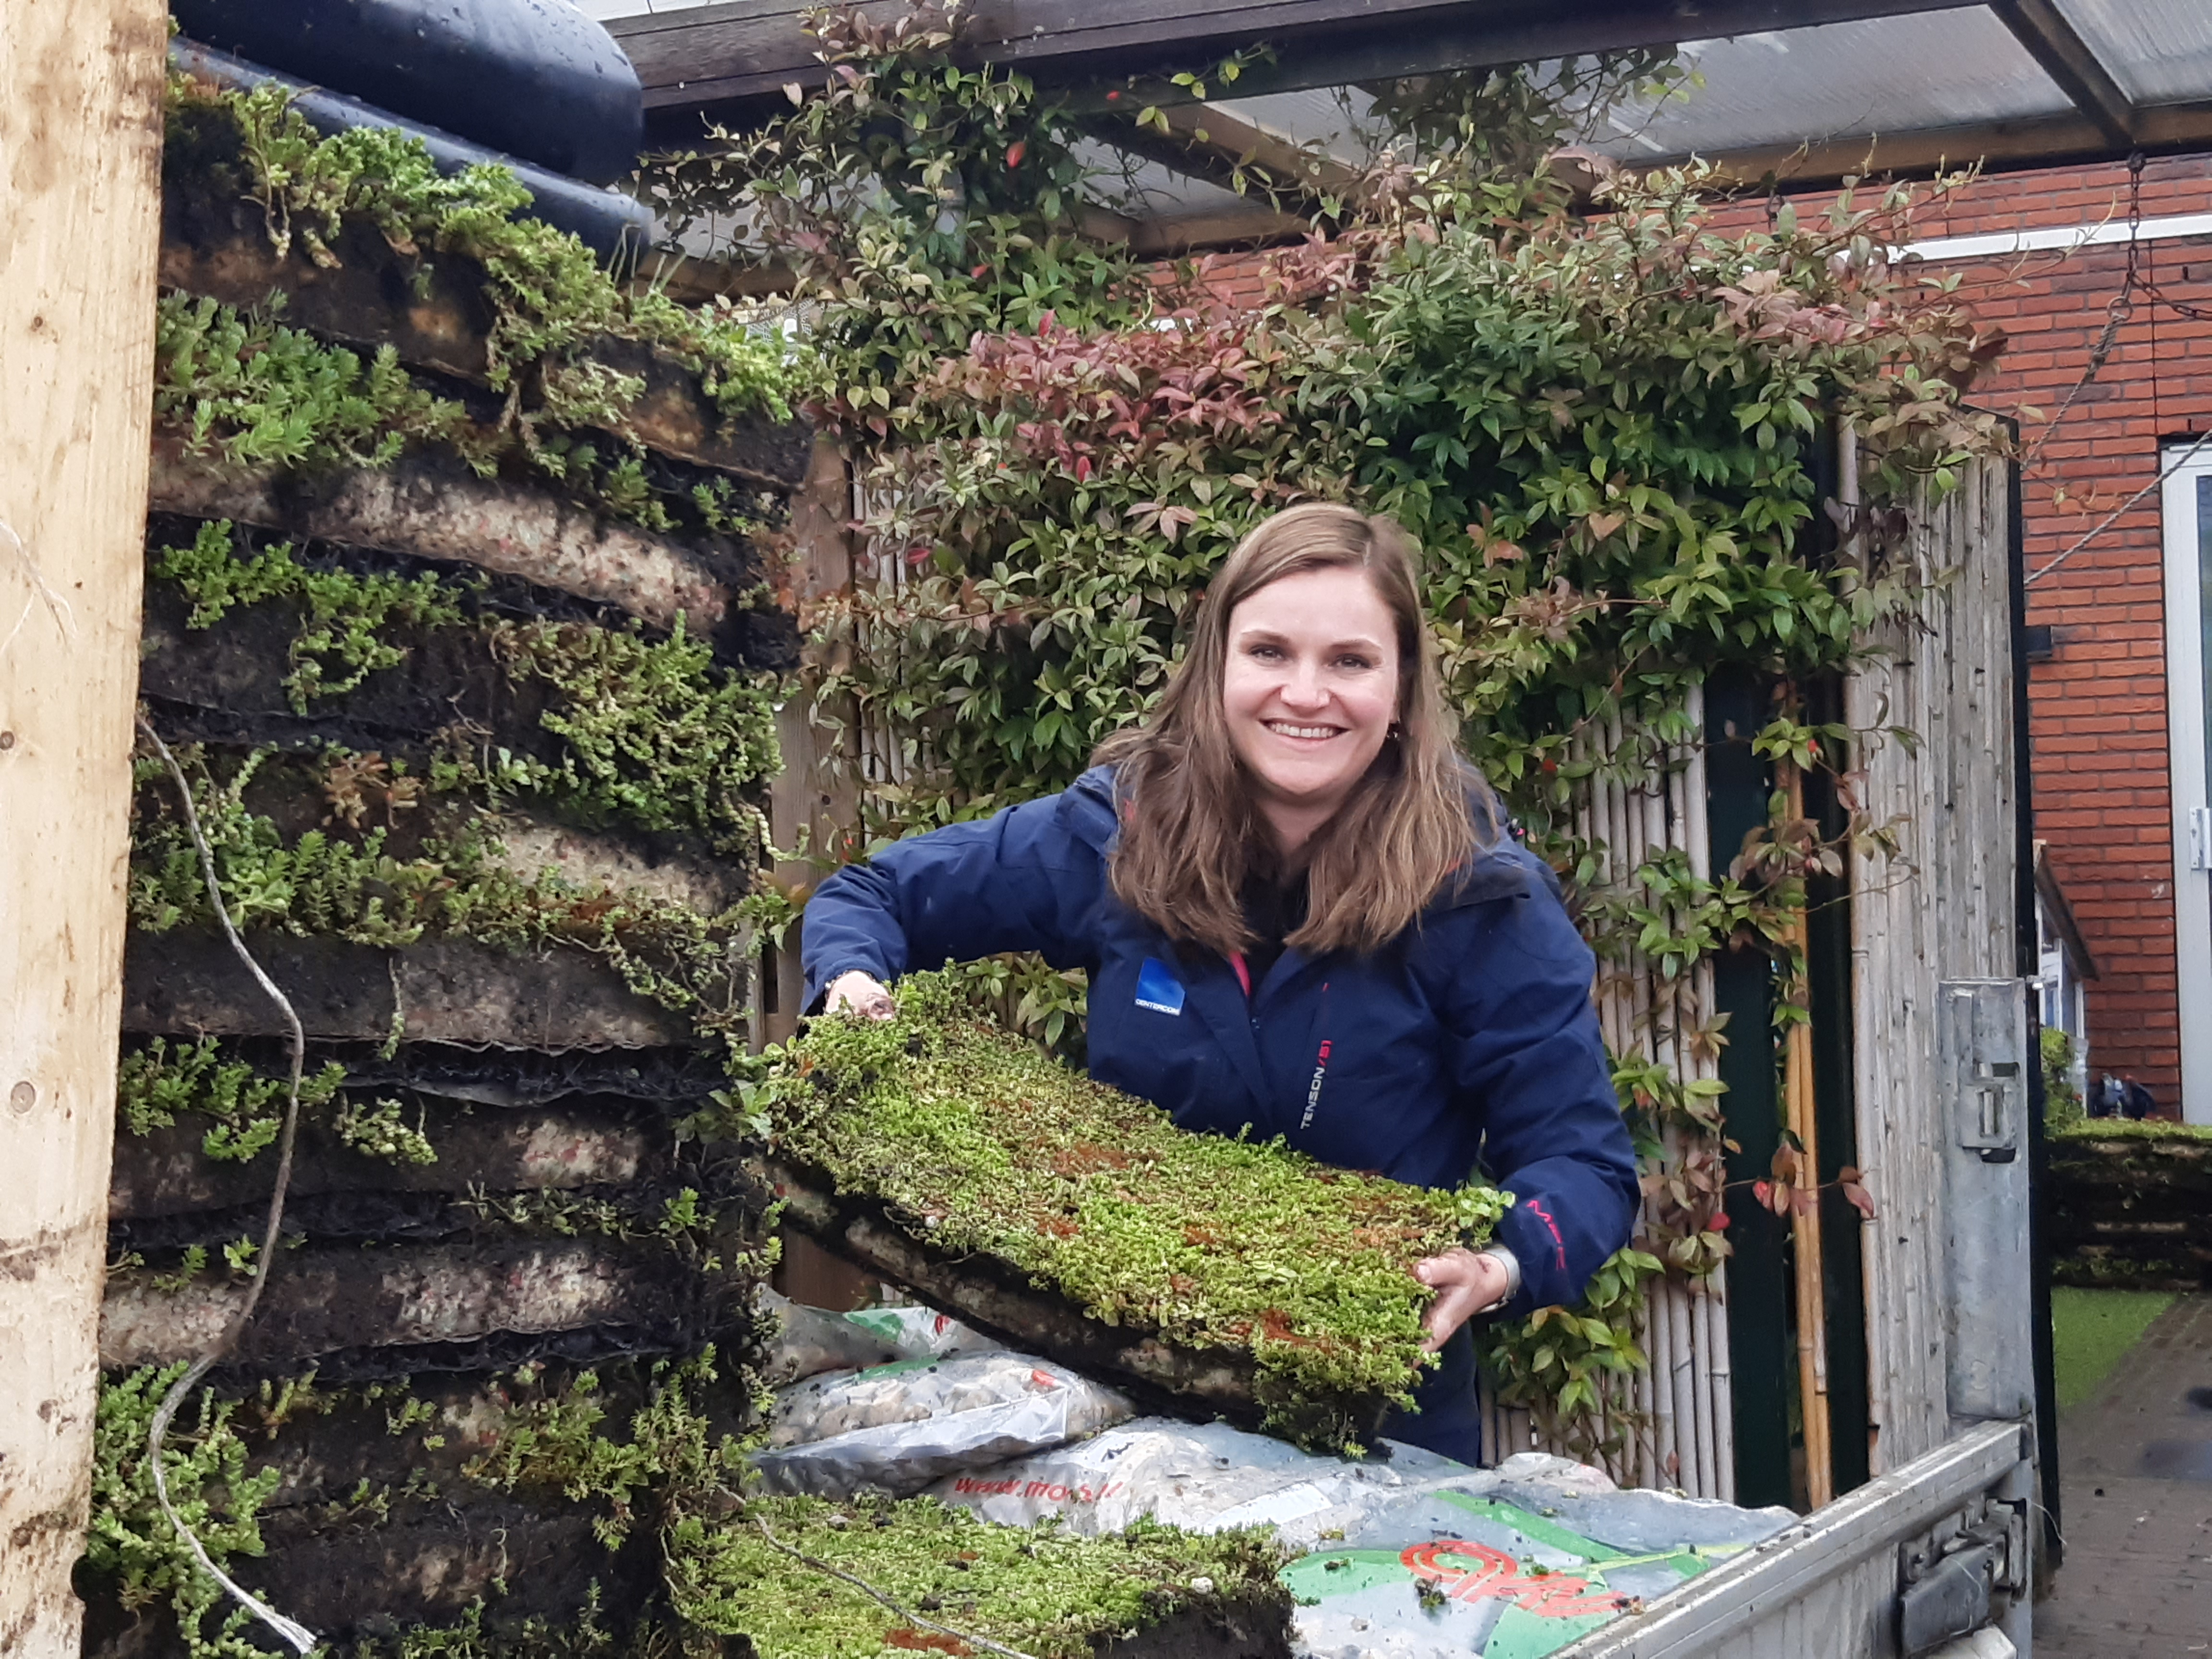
(1146, 190)
(1333, 117)
(1940, 69)
(1955, 66)
(2159, 50)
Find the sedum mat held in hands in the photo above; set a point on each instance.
(975, 1144)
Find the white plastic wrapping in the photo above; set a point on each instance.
(1203, 1477)
(897, 1428)
(811, 1341)
(923, 1333)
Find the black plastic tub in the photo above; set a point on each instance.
(535, 79)
(614, 226)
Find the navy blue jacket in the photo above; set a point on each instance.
(1471, 1036)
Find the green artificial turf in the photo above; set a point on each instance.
(2091, 1332)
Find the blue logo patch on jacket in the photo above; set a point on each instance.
(1157, 988)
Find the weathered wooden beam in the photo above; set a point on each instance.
(731, 61)
(1166, 237)
(1204, 141)
(1998, 146)
(80, 157)
(2065, 56)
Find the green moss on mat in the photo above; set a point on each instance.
(207, 1465)
(344, 881)
(551, 301)
(983, 1145)
(1038, 1589)
(654, 733)
(2091, 1331)
(765, 1569)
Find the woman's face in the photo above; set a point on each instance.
(1311, 690)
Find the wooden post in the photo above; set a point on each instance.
(818, 801)
(79, 199)
(1805, 1223)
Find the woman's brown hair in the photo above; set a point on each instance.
(1190, 835)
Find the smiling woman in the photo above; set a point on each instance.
(1300, 921)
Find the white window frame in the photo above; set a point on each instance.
(2184, 723)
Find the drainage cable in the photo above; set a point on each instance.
(298, 1635)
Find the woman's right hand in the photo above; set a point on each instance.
(859, 994)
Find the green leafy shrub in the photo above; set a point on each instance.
(2062, 1101)
(1603, 427)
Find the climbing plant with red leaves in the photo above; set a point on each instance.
(1601, 427)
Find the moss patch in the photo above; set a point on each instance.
(206, 1462)
(651, 732)
(982, 1144)
(551, 301)
(2091, 1331)
(348, 882)
(1041, 1590)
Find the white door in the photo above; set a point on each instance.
(2188, 726)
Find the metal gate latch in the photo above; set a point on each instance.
(1952, 1586)
(1982, 1032)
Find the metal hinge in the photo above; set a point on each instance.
(2200, 837)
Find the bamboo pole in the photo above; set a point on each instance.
(1805, 1223)
(80, 164)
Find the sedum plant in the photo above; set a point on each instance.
(978, 1143)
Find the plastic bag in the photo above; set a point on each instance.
(1202, 1477)
(1522, 1559)
(897, 1428)
(1420, 1558)
(811, 1340)
(923, 1333)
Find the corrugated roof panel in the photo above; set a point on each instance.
(1891, 74)
(2159, 50)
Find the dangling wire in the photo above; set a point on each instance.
(2118, 312)
(298, 1635)
(2135, 283)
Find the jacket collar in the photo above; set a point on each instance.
(1504, 869)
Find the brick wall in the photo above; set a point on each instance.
(2098, 720)
(2098, 708)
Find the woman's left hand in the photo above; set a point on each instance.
(1466, 1284)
